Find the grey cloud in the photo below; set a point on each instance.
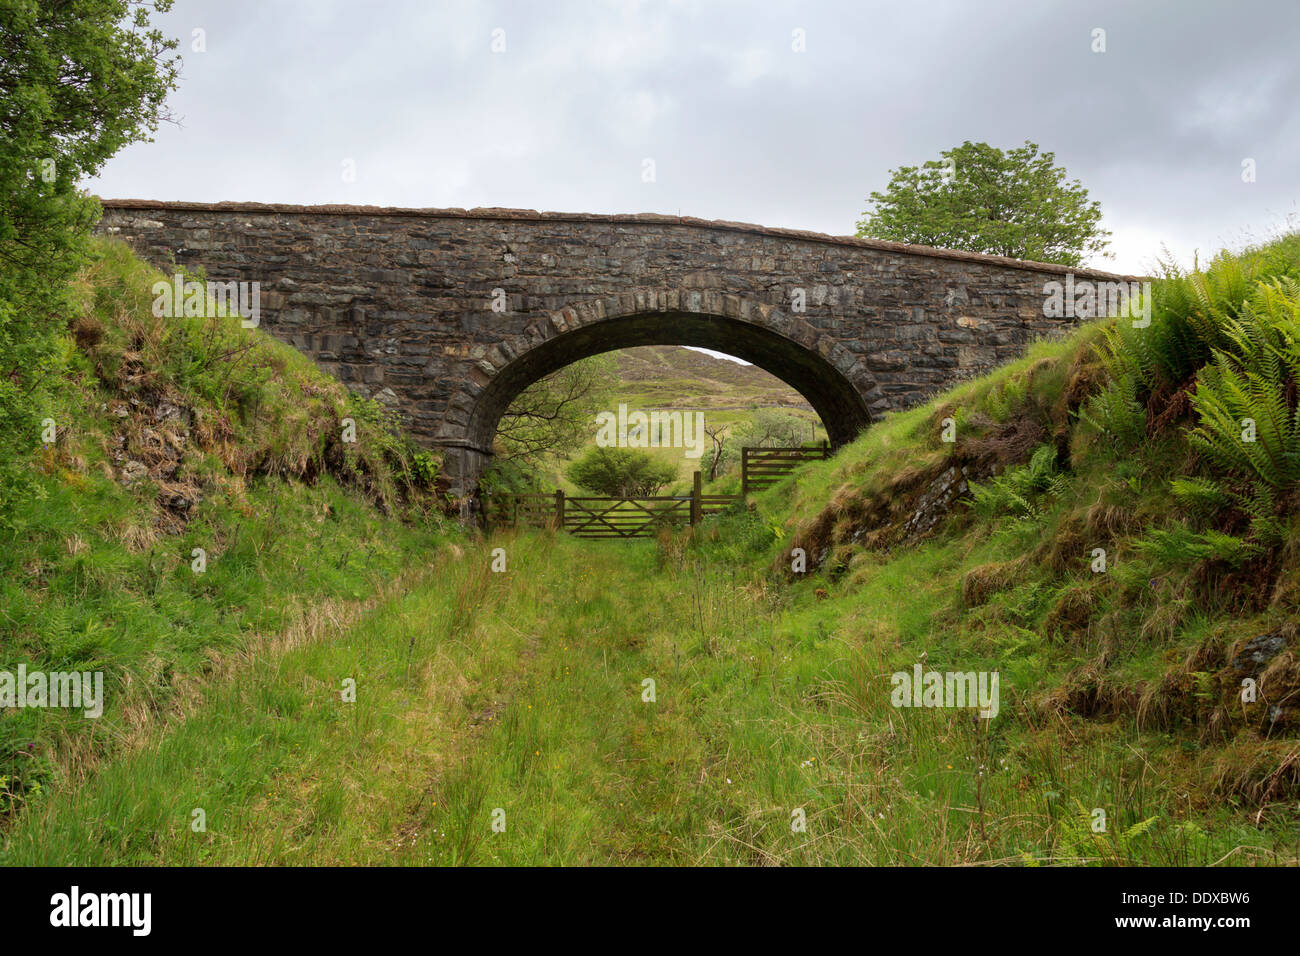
(739, 126)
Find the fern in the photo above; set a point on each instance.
(1018, 491)
(1179, 546)
(1201, 495)
(1139, 828)
(1115, 412)
(1247, 424)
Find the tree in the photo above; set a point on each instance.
(775, 428)
(980, 199)
(717, 434)
(553, 417)
(79, 80)
(621, 472)
(767, 428)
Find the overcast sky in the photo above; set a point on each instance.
(738, 124)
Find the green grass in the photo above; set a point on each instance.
(98, 574)
(523, 691)
(520, 693)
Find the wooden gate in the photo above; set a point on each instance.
(605, 517)
(763, 467)
(608, 517)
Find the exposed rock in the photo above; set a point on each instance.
(1258, 651)
(167, 412)
(936, 501)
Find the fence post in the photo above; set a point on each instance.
(744, 472)
(696, 504)
(826, 448)
(559, 508)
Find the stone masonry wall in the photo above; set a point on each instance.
(398, 303)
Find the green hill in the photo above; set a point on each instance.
(669, 376)
(197, 473)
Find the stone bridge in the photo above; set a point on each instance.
(447, 314)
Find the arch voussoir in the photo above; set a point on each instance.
(827, 374)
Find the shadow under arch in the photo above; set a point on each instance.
(839, 403)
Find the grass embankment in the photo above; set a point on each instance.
(199, 495)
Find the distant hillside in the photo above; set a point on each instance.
(667, 376)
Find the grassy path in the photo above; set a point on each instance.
(517, 699)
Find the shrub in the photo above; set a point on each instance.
(621, 472)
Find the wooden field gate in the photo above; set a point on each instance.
(609, 517)
(763, 467)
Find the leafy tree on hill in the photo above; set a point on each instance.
(768, 428)
(979, 198)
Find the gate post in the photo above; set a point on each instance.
(696, 504)
(559, 508)
(744, 472)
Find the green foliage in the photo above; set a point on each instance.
(1223, 345)
(1006, 398)
(621, 472)
(766, 428)
(1201, 495)
(425, 468)
(506, 476)
(1018, 490)
(1083, 839)
(980, 198)
(553, 417)
(1115, 412)
(95, 571)
(1246, 396)
(79, 80)
(265, 408)
(1178, 546)
(1191, 317)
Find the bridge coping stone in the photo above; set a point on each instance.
(532, 215)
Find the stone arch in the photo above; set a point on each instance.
(830, 376)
